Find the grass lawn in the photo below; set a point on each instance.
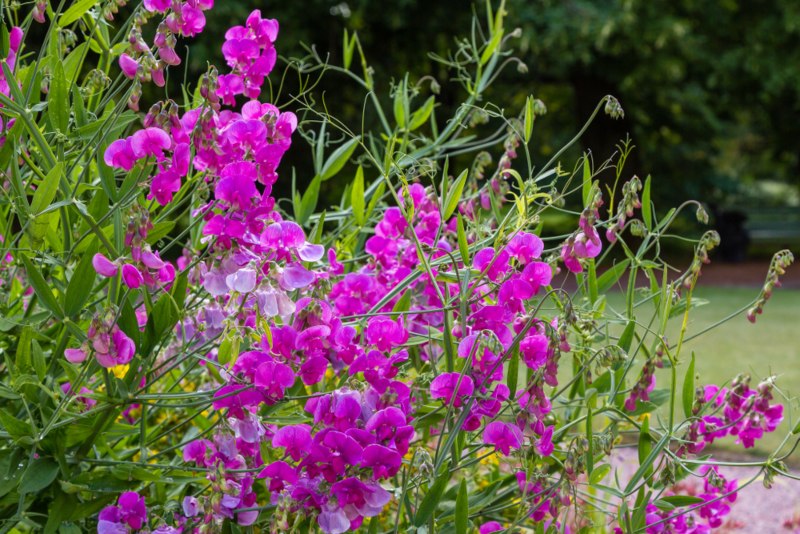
(769, 347)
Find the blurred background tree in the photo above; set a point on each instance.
(711, 89)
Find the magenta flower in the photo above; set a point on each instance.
(385, 333)
(295, 440)
(130, 512)
(494, 264)
(273, 379)
(150, 142)
(490, 527)
(385, 462)
(164, 185)
(503, 436)
(158, 6)
(131, 276)
(444, 387)
(103, 266)
(525, 247)
(120, 154)
(128, 65)
(280, 474)
(75, 355)
(544, 445)
(534, 349)
(113, 349)
(193, 20)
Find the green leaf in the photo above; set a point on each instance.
(513, 373)
(587, 179)
(688, 389)
(58, 104)
(308, 203)
(38, 476)
(400, 105)
(38, 361)
(348, 47)
(17, 428)
(357, 199)
(589, 439)
(421, 116)
(454, 195)
(42, 288)
(76, 11)
(47, 189)
(612, 275)
(645, 445)
(431, 499)
(373, 201)
(337, 160)
(626, 338)
(599, 474)
(5, 41)
(529, 118)
(671, 502)
(403, 304)
(592, 281)
(490, 49)
(80, 285)
(463, 244)
(647, 214)
(462, 508)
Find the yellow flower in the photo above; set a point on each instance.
(120, 370)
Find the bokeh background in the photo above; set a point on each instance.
(711, 90)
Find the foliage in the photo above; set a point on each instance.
(182, 351)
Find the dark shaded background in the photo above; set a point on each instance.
(710, 89)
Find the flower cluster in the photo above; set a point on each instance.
(737, 411)
(329, 370)
(181, 19)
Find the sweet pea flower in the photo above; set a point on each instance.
(75, 355)
(157, 6)
(150, 142)
(444, 387)
(385, 333)
(130, 512)
(295, 440)
(120, 154)
(103, 266)
(128, 65)
(503, 436)
(132, 276)
(525, 247)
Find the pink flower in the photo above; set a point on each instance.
(503, 436)
(119, 154)
(150, 142)
(193, 20)
(128, 65)
(113, 349)
(525, 247)
(444, 387)
(131, 276)
(103, 266)
(295, 439)
(385, 333)
(159, 6)
(75, 355)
